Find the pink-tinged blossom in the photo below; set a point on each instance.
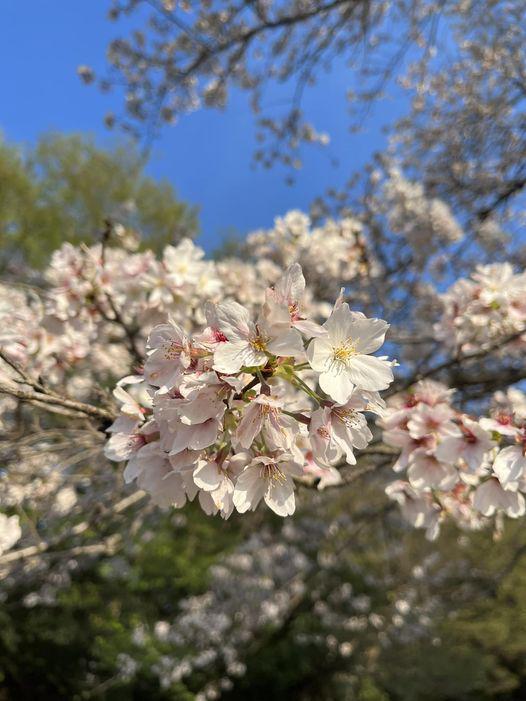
(426, 472)
(154, 473)
(323, 449)
(199, 436)
(510, 466)
(203, 398)
(431, 392)
(218, 477)
(411, 447)
(264, 413)
(470, 446)
(211, 334)
(131, 413)
(427, 419)
(270, 479)
(208, 399)
(170, 354)
(249, 344)
(326, 476)
(287, 294)
(130, 431)
(418, 509)
(343, 356)
(500, 423)
(490, 497)
(481, 310)
(338, 429)
(192, 423)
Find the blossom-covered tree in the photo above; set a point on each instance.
(349, 377)
(240, 386)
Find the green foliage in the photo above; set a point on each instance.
(55, 651)
(66, 186)
(474, 650)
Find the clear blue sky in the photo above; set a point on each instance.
(207, 155)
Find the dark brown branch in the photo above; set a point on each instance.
(513, 188)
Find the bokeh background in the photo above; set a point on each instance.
(385, 614)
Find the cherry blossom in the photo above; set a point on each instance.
(342, 357)
(232, 412)
(270, 479)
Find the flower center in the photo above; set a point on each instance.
(294, 311)
(259, 344)
(172, 350)
(344, 352)
(219, 336)
(273, 473)
(348, 416)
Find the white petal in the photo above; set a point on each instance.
(250, 424)
(339, 324)
(204, 434)
(207, 476)
(426, 472)
(287, 344)
(291, 285)
(337, 385)
(368, 372)
(449, 450)
(230, 357)
(510, 465)
(233, 320)
(280, 497)
(368, 334)
(249, 489)
(309, 329)
(166, 333)
(319, 354)
(207, 504)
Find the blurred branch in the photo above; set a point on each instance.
(47, 399)
(455, 362)
(57, 404)
(53, 547)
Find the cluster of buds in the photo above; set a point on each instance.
(238, 412)
(454, 465)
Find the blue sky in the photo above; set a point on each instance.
(207, 155)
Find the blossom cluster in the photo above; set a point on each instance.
(336, 250)
(484, 309)
(90, 293)
(455, 465)
(240, 410)
(241, 391)
(417, 217)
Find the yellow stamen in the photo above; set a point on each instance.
(172, 350)
(272, 472)
(348, 416)
(259, 344)
(344, 352)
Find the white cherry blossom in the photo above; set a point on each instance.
(270, 479)
(343, 356)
